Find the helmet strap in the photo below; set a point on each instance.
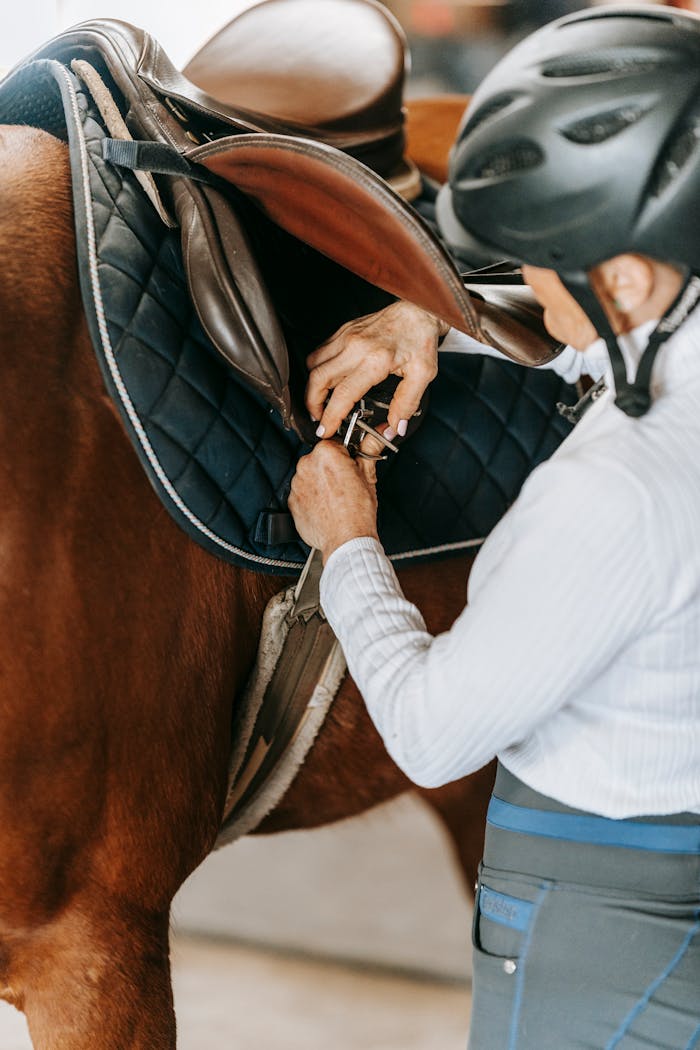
(634, 398)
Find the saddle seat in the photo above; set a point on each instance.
(332, 72)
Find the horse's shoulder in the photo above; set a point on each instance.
(30, 152)
(36, 220)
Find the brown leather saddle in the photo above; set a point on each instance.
(198, 147)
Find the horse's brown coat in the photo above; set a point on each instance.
(123, 646)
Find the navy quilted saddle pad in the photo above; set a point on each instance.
(216, 453)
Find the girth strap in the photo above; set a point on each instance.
(291, 698)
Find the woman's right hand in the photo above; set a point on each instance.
(400, 340)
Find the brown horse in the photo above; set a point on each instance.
(122, 651)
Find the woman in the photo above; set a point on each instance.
(577, 660)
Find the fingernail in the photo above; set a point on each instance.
(314, 419)
(390, 433)
(402, 427)
(320, 431)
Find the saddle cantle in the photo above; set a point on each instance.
(330, 72)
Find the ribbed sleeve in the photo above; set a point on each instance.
(528, 640)
(570, 364)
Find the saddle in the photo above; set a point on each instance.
(202, 331)
(222, 171)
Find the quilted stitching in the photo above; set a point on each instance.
(227, 454)
(489, 424)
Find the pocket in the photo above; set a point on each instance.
(504, 910)
(501, 920)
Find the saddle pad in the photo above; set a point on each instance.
(215, 452)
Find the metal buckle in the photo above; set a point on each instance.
(574, 413)
(358, 420)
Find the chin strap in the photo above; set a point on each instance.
(634, 398)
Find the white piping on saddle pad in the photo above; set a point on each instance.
(111, 360)
(442, 548)
(274, 631)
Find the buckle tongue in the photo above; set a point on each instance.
(357, 424)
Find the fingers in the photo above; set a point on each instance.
(330, 499)
(323, 457)
(407, 396)
(349, 376)
(332, 362)
(345, 396)
(313, 472)
(317, 390)
(368, 467)
(326, 366)
(400, 340)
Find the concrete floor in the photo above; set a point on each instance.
(234, 995)
(379, 889)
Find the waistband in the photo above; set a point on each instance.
(532, 834)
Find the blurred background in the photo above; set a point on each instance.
(453, 42)
(355, 936)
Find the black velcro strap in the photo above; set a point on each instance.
(156, 157)
(274, 527)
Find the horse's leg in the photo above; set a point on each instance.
(87, 963)
(97, 975)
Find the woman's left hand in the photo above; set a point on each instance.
(333, 498)
(400, 340)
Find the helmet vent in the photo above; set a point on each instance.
(507, 160)
(488, 110)
(611, 62)
(676, 155)
(591, 130)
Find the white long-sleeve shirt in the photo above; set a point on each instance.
(577, 658)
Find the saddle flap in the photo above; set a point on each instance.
(510, 318)
(336, 205)
(229, 292)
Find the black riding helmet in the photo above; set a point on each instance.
(583, 143)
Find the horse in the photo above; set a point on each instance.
(125, 647)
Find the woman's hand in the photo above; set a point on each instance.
(400, 340)
(333, 497)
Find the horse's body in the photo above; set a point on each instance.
(123, 648)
